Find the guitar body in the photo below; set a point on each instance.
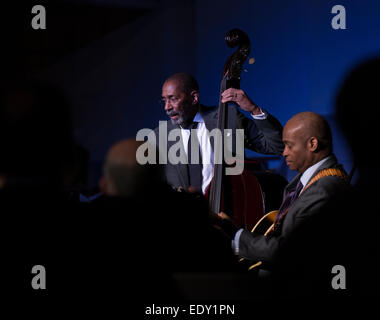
(264, 226)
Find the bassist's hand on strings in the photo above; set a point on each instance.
(239, 97)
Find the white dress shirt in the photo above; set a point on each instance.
(205, 145)
(207, 153)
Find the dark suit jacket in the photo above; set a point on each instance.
(310, 239)
(263, 136)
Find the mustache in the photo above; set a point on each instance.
(172, 113)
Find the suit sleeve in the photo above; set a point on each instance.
(263, 136)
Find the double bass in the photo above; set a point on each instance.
(239, 196)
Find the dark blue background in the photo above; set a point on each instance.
(127, 48)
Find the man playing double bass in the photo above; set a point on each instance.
(180, 98)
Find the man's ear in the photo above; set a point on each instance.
(195, 97)
(313, 144)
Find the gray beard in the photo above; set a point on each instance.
(181, 121)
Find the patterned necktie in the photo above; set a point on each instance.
(194, 170)
(288, 200)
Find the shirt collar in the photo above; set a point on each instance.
(198, 118)
(306, 176)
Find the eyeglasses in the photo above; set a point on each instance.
(172, 100)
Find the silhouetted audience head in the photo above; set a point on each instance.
(35, 134)
(358, 107)
(124, 176)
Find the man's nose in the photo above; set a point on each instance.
(168, 106)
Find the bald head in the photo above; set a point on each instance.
(123, 153)
(123, 175)
(311, 124)
(307, 138)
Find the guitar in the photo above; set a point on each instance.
(264, 226)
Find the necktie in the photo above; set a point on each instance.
(194, 169)
(290, 197)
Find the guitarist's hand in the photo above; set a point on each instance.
(222, 215)
(224, 223)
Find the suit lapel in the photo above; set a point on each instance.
(180, 167)
(210, 117)
(292, 184)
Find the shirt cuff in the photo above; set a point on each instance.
(261, 116)
(235, 241)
